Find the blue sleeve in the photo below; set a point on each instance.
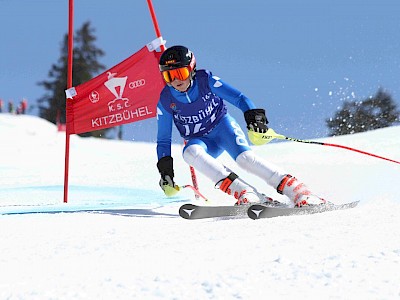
(164, 132)
(229, 93)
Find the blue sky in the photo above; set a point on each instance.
(297, 59)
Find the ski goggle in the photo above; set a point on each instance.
(180, 73)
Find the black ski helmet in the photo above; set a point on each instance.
(177, 57)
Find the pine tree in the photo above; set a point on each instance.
(358, 116)
(85, 66)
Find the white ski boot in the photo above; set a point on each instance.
(243, 193)
(298, 192)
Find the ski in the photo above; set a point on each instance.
(193, 212)
(260, 211)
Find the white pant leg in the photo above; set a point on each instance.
(197, 157)
(269, 172)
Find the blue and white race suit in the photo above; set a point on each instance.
(201, 117)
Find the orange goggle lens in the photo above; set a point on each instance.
(180, 73)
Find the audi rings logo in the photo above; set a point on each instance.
(137, 83)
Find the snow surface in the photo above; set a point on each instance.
(145, 251)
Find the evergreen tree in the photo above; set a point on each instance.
(376, 112)
(85, 66)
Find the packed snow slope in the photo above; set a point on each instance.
(145, 251)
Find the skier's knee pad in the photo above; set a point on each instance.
(246, 160)
(197, 157)
(265, 170)
(191, 153)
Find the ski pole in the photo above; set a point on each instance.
(194, 179)
(171, 191)
(271, 134)
(196, 191)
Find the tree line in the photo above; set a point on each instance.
(375, 112)
(372, 113)
(86, 65)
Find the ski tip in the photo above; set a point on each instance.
(186, 210)
(343, 205)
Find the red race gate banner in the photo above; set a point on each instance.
(126, 93)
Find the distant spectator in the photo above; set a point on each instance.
(1, 105)
(120, 132)
(10, 107)
(24, 106)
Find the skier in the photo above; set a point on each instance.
(194, 101)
